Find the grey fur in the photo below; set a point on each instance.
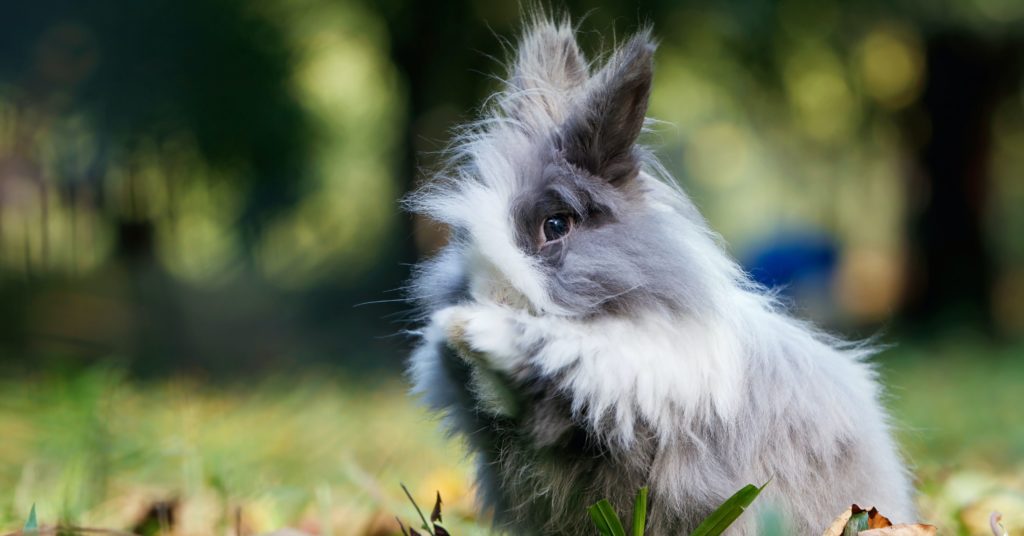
(807, 412)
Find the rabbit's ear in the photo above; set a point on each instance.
(600, 135)
(547, 70)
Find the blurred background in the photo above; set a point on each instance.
(201, 251)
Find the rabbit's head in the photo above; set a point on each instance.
(552, 204)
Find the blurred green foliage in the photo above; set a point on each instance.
(160, 157)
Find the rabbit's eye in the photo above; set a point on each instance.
(556, 227)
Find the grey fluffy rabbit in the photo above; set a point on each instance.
(587, 334)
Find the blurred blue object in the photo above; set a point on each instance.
(790, 258)
(800, 265)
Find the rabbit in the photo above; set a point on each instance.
(587, 334)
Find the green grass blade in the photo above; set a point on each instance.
(723, 512)
(426, 526)
(599, 521)
(605, 518)
(640, 512)
(32, 525)
(728, 512)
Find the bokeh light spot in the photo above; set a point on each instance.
(891, 66)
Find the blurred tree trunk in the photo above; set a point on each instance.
(433, 44)
(953, 275)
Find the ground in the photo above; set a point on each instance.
(326, 451)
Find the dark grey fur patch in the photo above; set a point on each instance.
(600, 134)
(614, 259)
(561, 189)
(538, 472)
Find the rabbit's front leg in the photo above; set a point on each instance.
(497, 342)
(492, 336)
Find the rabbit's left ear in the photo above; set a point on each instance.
(600, 136)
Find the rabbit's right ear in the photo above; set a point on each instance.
(548, 68)
(601, 134)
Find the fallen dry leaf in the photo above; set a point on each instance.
(916, 529)
(876, 520)
(878, 525)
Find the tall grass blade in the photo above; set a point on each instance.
(640, 512)
(32, 525)
(426, 526)
(606, 519)
(728, 512)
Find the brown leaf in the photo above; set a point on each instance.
(877, 523)
(440, 531)
(876, 520)
(435, 515)
(907, 529)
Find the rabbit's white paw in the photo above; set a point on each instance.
(490, 335)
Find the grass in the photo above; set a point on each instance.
(959, 411)
(327, 453)
(315, 451)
